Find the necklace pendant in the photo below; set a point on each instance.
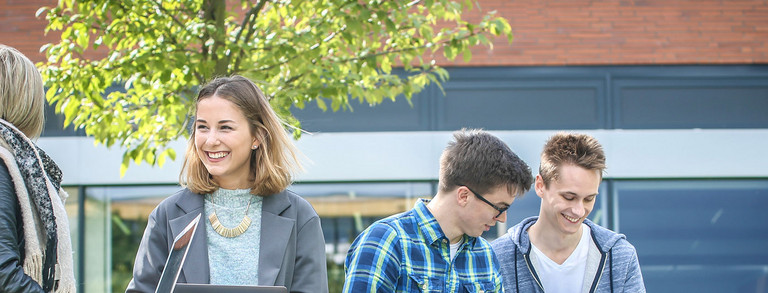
(229, 232)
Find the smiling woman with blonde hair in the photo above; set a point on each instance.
(237, 167)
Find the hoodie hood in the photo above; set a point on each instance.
(604, 238)
(612, 263)
(520, 236)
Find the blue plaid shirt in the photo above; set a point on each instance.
(408, 252)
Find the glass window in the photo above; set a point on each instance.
(346, 209)
(72, 207)
(115, 218)
(697, 235)
(96, 256)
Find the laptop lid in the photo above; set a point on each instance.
(205, 288)
(176, 257)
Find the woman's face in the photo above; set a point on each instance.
(224, 142)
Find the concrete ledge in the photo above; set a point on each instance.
(393, 156)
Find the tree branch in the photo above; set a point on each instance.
(219, 11)
(168, 13)
(248, 20)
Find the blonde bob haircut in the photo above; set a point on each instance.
(272, 164)
(22, 97)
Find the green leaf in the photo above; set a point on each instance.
(149, 156)
(321, 104)
(41, 10)
(171, 153)
(386, 65)
(449, 52)
(391, 26)
(70, 110)
(124, 165)
(165, 76)
(161, 158)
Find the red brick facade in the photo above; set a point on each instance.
(558, 32)
(20, 29)
(602, 32)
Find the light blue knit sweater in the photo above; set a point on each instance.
(234, 261)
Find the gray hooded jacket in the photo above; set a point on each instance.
(612, 264)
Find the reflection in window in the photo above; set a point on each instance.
(698, 235)
(346, 209)
(115, 218)
(72, 207)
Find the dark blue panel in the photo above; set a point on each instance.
(691, 103)
(674, 279)
(54, 124)
(566, 97)
(522, 208)
(511, 104)
(387, 116)
(708, 234)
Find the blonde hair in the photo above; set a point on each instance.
(272, 164)
(22, 97)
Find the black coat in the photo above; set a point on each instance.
(12, 277)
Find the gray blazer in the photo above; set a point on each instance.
(292, 252)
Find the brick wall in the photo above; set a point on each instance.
(20, 29)
(558, 32)
(602, 32)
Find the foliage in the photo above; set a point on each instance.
(126, 237)
(153, 55)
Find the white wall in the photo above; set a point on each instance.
(372, 156)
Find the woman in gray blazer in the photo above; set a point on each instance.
(237, 167)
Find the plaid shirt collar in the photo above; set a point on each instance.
(429, 226)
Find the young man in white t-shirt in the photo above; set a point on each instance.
(561, 250)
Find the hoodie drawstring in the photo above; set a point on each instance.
(610, 255)
(517, 285)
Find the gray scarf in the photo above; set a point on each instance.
(34, 166)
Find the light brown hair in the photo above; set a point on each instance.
(22, 97)
(570, 149)
(272, 164)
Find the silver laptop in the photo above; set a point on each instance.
(176, 257)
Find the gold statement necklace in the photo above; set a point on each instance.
(230, 232)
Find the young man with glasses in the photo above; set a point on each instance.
(561, 251)
(436, 246)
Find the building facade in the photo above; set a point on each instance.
(677, 92)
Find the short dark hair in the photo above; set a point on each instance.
(483, 162)
(576, 149)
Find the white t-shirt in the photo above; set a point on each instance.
(569, 276)
(455, 247)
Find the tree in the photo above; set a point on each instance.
(326, 52)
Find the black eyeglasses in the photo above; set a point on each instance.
(501, 210)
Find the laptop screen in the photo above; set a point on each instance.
(176, 257)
